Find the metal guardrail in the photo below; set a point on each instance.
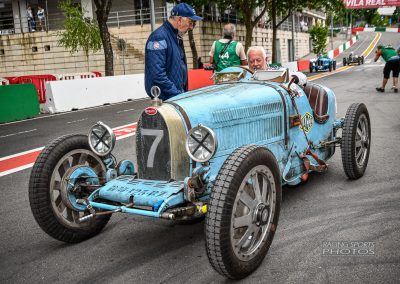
(55, 21)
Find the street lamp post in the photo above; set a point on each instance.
(152, 15)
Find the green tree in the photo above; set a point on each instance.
(318, 34)
(103, 8)
(286, 7)
(79, 33)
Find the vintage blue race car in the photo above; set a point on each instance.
(322, 63)
(221, 153)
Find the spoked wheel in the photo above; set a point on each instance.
(52, 200)
(243, 211)
(356, 141)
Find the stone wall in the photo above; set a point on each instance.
(20, 57)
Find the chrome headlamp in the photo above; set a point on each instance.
(201, 143)
(101, 139)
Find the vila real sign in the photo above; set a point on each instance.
(366, 4)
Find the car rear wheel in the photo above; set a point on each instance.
(362, 59)
(311, 68)
(243, 211)
(52, 202)
(356, 141)
(334, 65)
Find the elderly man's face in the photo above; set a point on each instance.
(184, 24)
(257, 61)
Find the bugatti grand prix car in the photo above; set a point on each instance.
(353, 59)
(221, 153)
(322, 63)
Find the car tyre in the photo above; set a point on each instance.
(334, 65)
(330, 67)
(242, 219)
(49, 209)
(356, 141)
(344, 62)
(311, 68)
(362, 59)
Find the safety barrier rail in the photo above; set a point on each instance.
(4, 81)
(40, 81)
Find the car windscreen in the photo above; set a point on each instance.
(269, 75)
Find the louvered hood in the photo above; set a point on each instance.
(239, 113)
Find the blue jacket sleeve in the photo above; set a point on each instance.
(155, 69)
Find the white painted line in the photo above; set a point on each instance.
(22, 153)
(125, 110)
(75, 121)
(24, 167)
(69, 112)
(18, 133)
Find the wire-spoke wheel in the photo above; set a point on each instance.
(356, 141)
(243, 211)
(48, 195)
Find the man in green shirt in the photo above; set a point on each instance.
(392, 59)
(227, 52)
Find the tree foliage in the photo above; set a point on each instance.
(318, 34)
(79, 33)
(286, 7)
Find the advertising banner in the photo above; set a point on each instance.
(367, 4)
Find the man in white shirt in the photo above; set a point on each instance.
(258, 60)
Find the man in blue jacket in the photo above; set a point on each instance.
(165, 59)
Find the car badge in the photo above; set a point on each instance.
(150, 111)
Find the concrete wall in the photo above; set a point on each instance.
(19, 59)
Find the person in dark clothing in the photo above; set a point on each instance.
(165, 59)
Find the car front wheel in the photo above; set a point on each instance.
(356, 141)
(53, 201)
(243, 211)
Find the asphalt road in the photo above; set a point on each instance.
(329, 207)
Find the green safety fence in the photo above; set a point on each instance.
(18, 102)
(380, 29)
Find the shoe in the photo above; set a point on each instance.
(380, 90)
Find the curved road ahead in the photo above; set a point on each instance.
(132, 249)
